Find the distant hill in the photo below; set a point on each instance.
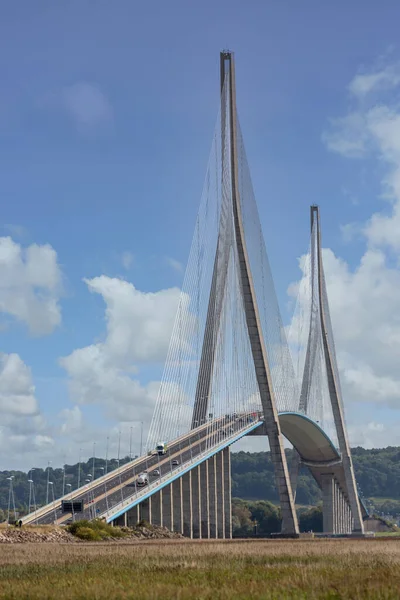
(377, 473)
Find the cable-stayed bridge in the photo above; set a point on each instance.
(234, 370)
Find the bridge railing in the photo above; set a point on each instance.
(99, 482)
(142, 492)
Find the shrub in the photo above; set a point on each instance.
(100, 530)
(86, 533)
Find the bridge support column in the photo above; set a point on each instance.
(205, 501)
(212, 494)
(346, 516)
(167, 516)
(350, 518)
(336, 510)
(196, 502)
(219, 464)
(156, 508)
(328, 502)
(132, 516)
(227, 492)
(187, 504)
(177, 501)
(145, 510)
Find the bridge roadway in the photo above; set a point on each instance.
(113, 488)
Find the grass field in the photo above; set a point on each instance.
(270, 569)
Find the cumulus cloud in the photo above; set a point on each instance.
(138, 331)
(383, 79)
(365, 299)
(374, 434)
(30, 285)
(24, 433)
(17, 392)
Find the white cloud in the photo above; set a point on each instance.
(348, 136)
(30, 285)
(365, 300)
(385, 79)
(87, 104)
(72, 421)
(174, 264)
(127, 259)
(24, 434)
(374, 435)
(139, 326)
(17, 392)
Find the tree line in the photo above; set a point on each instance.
(377, 474)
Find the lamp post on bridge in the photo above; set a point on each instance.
(141, 439)
(63, 484)
(48, 481)
(79, 468)
(30, 481)
(51, 484)
(94, 453)
(10, 495)
(108, 440)
(69, 486)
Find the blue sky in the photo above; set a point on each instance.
(107, 112)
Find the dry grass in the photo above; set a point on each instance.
(37, 528)
(270, 569)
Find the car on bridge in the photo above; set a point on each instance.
(156, 473)
(175, 463)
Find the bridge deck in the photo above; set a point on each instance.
(100, 496)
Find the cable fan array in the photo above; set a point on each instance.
(211, 362)
(306, 343)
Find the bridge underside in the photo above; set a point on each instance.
(318, 453)
(197, 504)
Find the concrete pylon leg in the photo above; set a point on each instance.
(196, 502)
(219, 464)
(336, 507)
(328, 482)
(187, 505)
(145, 510)
(212, 493)
(132, 516)
(227, 492)
(205, 501)
(156, 509)
(167, 507)
(177, 501)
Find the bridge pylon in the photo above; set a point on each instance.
(232, 209)
(336, 480)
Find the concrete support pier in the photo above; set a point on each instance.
(227, 493)
(204, 501)
(212, 495)
(328, 503)
(187, 504)
(198, 504)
